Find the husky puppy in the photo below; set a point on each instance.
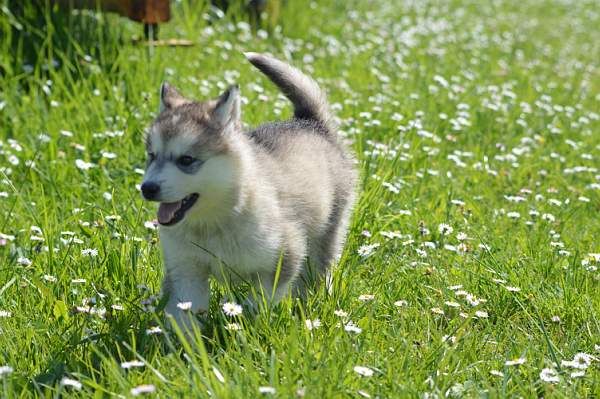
(270, 206)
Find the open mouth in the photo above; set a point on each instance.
(170, 213)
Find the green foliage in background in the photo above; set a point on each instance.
(472, 265)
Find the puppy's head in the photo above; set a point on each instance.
(191, 167)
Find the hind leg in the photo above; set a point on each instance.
(326, 249)
(275, 284)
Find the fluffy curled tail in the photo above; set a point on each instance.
(308, 99)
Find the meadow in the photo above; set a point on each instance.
(472, 265)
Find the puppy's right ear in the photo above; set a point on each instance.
(227, 107)
(170, 97)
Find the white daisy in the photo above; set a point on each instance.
(91, 252)
(233, 327)
(218, 374)
(366, 297)
(312, 324)
(141, 389)
(132, 364)
(363, 371)
(445, 229)
(184, 305)
(69, 382)
(549, 375)
(154, 330)
(482, 314)
(232, 309)
(267, 390)
(515, 362)
(351, 327)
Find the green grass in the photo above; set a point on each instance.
(459, 112)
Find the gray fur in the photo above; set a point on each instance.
(309, 101)
(284, 190)
(300, 158)
(170, 97)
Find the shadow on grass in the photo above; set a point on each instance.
(118, 338)
(82, 351)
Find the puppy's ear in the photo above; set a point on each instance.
(227, 108)
(170, 97)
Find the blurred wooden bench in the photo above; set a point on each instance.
(148, 12)
(153, 12)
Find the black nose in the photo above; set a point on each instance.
(150, 190)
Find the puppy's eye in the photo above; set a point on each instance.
(185, 160)
(151, 156)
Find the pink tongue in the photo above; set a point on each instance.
(166, 211)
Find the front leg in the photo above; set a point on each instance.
(188, 291)
(186, 281)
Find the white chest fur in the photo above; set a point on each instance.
(235, 251)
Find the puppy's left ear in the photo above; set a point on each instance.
(227, 110)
